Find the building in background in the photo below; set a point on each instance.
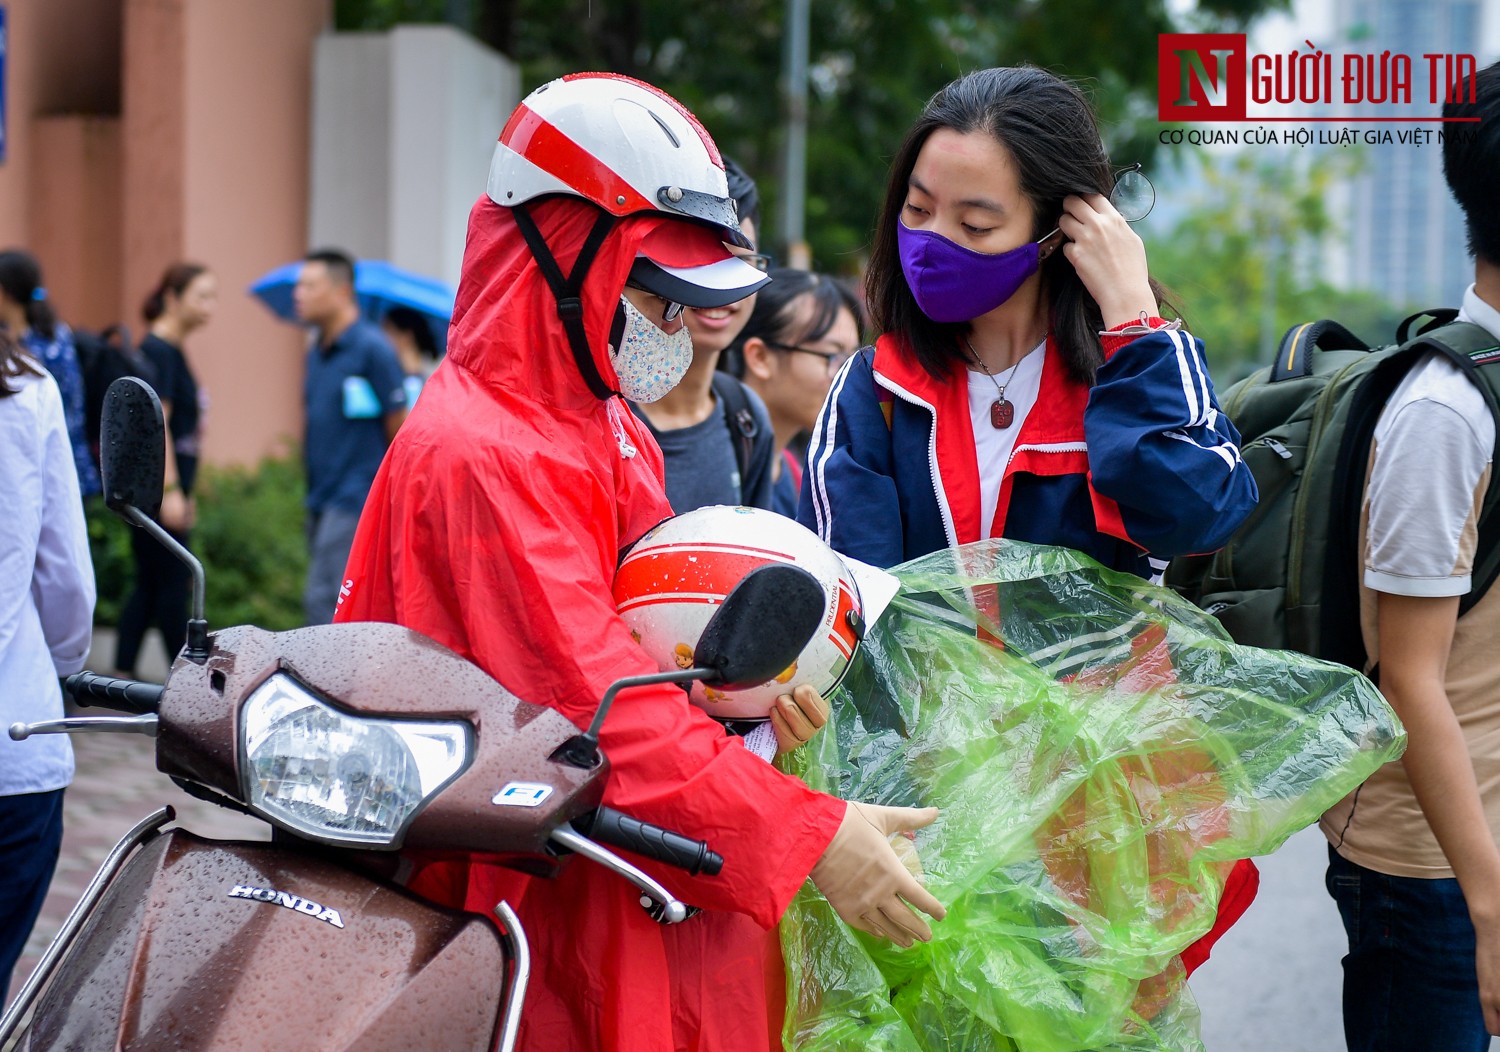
(238, 134)
(1405, 235)
(404, 124)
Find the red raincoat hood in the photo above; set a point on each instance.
(504, 302)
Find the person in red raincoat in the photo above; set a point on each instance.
(495, 525)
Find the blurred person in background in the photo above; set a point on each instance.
(714, 433)
(27, 310)
(46, 620)
(804, 327)
(354, 398)
(416, 347)
(182, 302)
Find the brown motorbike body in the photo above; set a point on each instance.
(214, 946)
(221, 946)
(373, 669)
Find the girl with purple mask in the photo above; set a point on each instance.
(1025, 384)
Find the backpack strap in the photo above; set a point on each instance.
(1294, 359)
(1474, 350)
(739, 418)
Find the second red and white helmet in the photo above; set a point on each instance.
(673, 579)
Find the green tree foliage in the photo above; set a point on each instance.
(249, 535)
(1245, 261)
(872, 66)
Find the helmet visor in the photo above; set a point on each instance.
(688, 264)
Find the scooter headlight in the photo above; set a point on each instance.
(339, 778)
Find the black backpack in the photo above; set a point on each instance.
(104, 357)
(740, 420)
(1289, 577)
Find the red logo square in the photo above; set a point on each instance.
(1200, 77)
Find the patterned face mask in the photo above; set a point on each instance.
(648, 361)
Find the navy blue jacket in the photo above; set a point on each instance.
(1137, 469)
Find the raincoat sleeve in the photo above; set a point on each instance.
(531, 586)
(1164, 460)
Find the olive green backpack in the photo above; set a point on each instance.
(1289, 576)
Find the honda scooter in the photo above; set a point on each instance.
(355, 742)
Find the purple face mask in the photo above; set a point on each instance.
(952, 283)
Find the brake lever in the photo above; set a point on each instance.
(145, 724)
(672, 909)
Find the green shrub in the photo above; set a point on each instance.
(114, 565)
(253, 542)
(249, 535)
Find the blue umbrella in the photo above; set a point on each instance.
(379, 286)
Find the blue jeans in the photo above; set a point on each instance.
(30, 838)
(1409, 978)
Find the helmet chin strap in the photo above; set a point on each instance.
(568, 290)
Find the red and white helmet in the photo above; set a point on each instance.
(673, 578)
(628, 147)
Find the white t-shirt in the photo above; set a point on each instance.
(1432, 447)
(993, 446)
(46, 581)
(1429, 473)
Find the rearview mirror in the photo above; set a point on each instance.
(761, 627)
(132, 445)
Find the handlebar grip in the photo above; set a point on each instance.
(127, 694)
(609, 826)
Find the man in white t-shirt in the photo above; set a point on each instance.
(1413, 862)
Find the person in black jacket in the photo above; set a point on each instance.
(182, 302)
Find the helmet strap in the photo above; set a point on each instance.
(568, 290)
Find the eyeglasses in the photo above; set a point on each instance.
(833, 362)
(759, 260)
(671, 312)
(1133, 195)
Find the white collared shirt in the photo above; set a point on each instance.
(46, 581)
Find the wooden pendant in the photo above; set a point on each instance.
(1002, 414)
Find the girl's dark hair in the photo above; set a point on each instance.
(774, 317)
(176, 280)
(20, 278)
(13, 361)
(1048, 128)
(413, 323)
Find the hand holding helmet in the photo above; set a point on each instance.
(797, 716)
(867, 884)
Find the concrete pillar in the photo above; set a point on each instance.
(450, 97)
(215, 118)
(74, 212)
(404, 126)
